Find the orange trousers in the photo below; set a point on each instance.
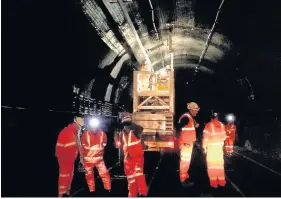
(66, 170)
(215, 166)
(102, 170)
(185, 158)
(133, 168)
(228, 144)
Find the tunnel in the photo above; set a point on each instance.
(225, 56)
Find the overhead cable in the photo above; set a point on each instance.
(208, 39)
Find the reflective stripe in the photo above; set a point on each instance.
(216, 144)
(137, 169)
(134, 143)
(138, 174)
(132, 181)
(62, 187)
(93, 148)
(129, 140)
(96, 146)
(215, 167)
(59, 144)
(66, 145)
(70, 144)
(185, 154)
(188, 129)
(131, 176)
(229, 146)
(220, 133)
(93, 158)
(101, 139)
(65, 175)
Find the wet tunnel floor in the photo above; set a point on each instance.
(244, 178)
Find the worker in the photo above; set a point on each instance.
(230, 129)
(214, 135)
(93, 142)
(66, 152)
(186, 141)
(130, 139)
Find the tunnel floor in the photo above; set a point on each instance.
(247, 175)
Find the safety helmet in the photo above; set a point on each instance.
(192, 106)
(126, 117)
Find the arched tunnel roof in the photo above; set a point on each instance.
(243, 57)
(49, 46)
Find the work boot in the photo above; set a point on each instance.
(187, 183)
(65, 195)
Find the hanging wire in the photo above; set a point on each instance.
(208, 40)
(156, 32)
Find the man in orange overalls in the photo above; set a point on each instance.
(93, 142)
(214, 136)
(130, 139)
(186, 141)
(66, 152)
(230, 133)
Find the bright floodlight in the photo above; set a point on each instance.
(94, 122)
(230, 117)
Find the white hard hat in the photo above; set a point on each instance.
(192, 106)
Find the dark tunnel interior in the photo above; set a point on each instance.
(49, 46)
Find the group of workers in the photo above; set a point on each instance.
(91, 149)
(216, 138)
(93, 140)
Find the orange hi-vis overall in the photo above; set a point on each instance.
(214, 136)
(133, 164)
(186, 141)
(93, 149)
(230, 133)
(66, 152)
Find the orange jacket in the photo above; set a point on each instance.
(132, 145)
(214, 134)
(93, 144)
(66, 143)
(230, 131)
(130, 139)
(188, 132)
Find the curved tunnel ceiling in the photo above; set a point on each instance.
(188, 41)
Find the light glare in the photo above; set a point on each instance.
(94, 122)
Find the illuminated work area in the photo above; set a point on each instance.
(141, 98)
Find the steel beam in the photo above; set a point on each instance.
(126, 14)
